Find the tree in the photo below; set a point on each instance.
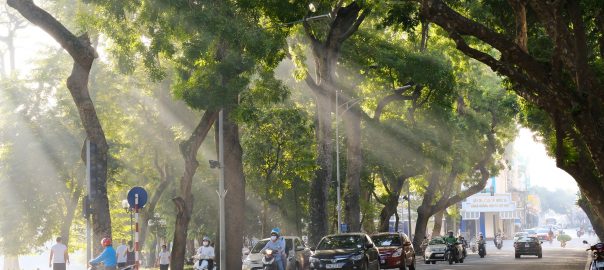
(83, 55)
(552, 58)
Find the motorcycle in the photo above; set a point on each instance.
(268, 261)
(473, 246)
(597, 256)
(482, 250)
(452, 254)
(204, 265)
(498, 242)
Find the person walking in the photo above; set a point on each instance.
(59, 256)
(121, 254)
(163, 259)
(130, 257)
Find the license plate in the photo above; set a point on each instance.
(600, 264)
(334, 265)
(439, 255)
(527, 245)
(382, 261)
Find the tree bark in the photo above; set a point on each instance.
(354, 164)
(438, 223)
(166, 177)
(71, 206)
(234, 183)
(326, 54)
(83, 55)
(184, 202)
(596, 221)
(391, 203)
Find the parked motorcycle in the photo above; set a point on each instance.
(268, 261)
(597, 256)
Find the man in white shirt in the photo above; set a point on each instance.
(164, 258)
(206, 252)
(121, 254)
(59, 256)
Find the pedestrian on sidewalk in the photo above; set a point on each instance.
(163, 259)
(59, 256)
(121, 254)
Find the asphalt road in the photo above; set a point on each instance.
(573, 257)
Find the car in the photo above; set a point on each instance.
(542, 234)
(531, 232)
(345, 251)
(528, 245)
(396, 250)
(298, 258)
(435, 251)
(518, 235)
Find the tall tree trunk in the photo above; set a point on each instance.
(234, 183)
(519, 7)
(438, 223)
(596, 221)
(184, 202)
(354, 164)
(72, 205)
(11, 262)
(391, 203)
(166, 177)
(326, 54)
(318, 226)
(421, 224)
(83, 55)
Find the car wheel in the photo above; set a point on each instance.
(461, 261)
(433, 262)
(540, 255)
(517, 256)
(427, 262)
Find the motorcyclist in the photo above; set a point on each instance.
(277, 244)
(482, 242)
(452, 240)
(108, 257)
(206, 252)
(464, 245)
(550, 235)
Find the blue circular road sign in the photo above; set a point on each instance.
(142, 197)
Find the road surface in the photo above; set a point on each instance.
(573, 257)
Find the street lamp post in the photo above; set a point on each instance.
(126, 207)
(221, 192)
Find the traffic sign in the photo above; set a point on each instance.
(142, 197)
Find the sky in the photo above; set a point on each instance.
(541, 167)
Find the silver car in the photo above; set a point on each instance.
(297, 258)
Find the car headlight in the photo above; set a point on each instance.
(398, 253)
(428, 250)
(314, 260)
(357, 257)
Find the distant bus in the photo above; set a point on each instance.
(550, 221)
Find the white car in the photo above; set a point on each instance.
(435, 251)
(298, 258)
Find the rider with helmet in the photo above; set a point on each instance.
(206, 252)
(452, 240)
(277, 244)
(108, 257)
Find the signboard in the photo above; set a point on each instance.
(142, 197)
(482, 202)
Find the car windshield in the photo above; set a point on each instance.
(527, 239)
(531, 232)
(437, 241)
(341, 242)
(542, 231)
(387, 240)
(259, 246)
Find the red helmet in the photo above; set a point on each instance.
(106, 242)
